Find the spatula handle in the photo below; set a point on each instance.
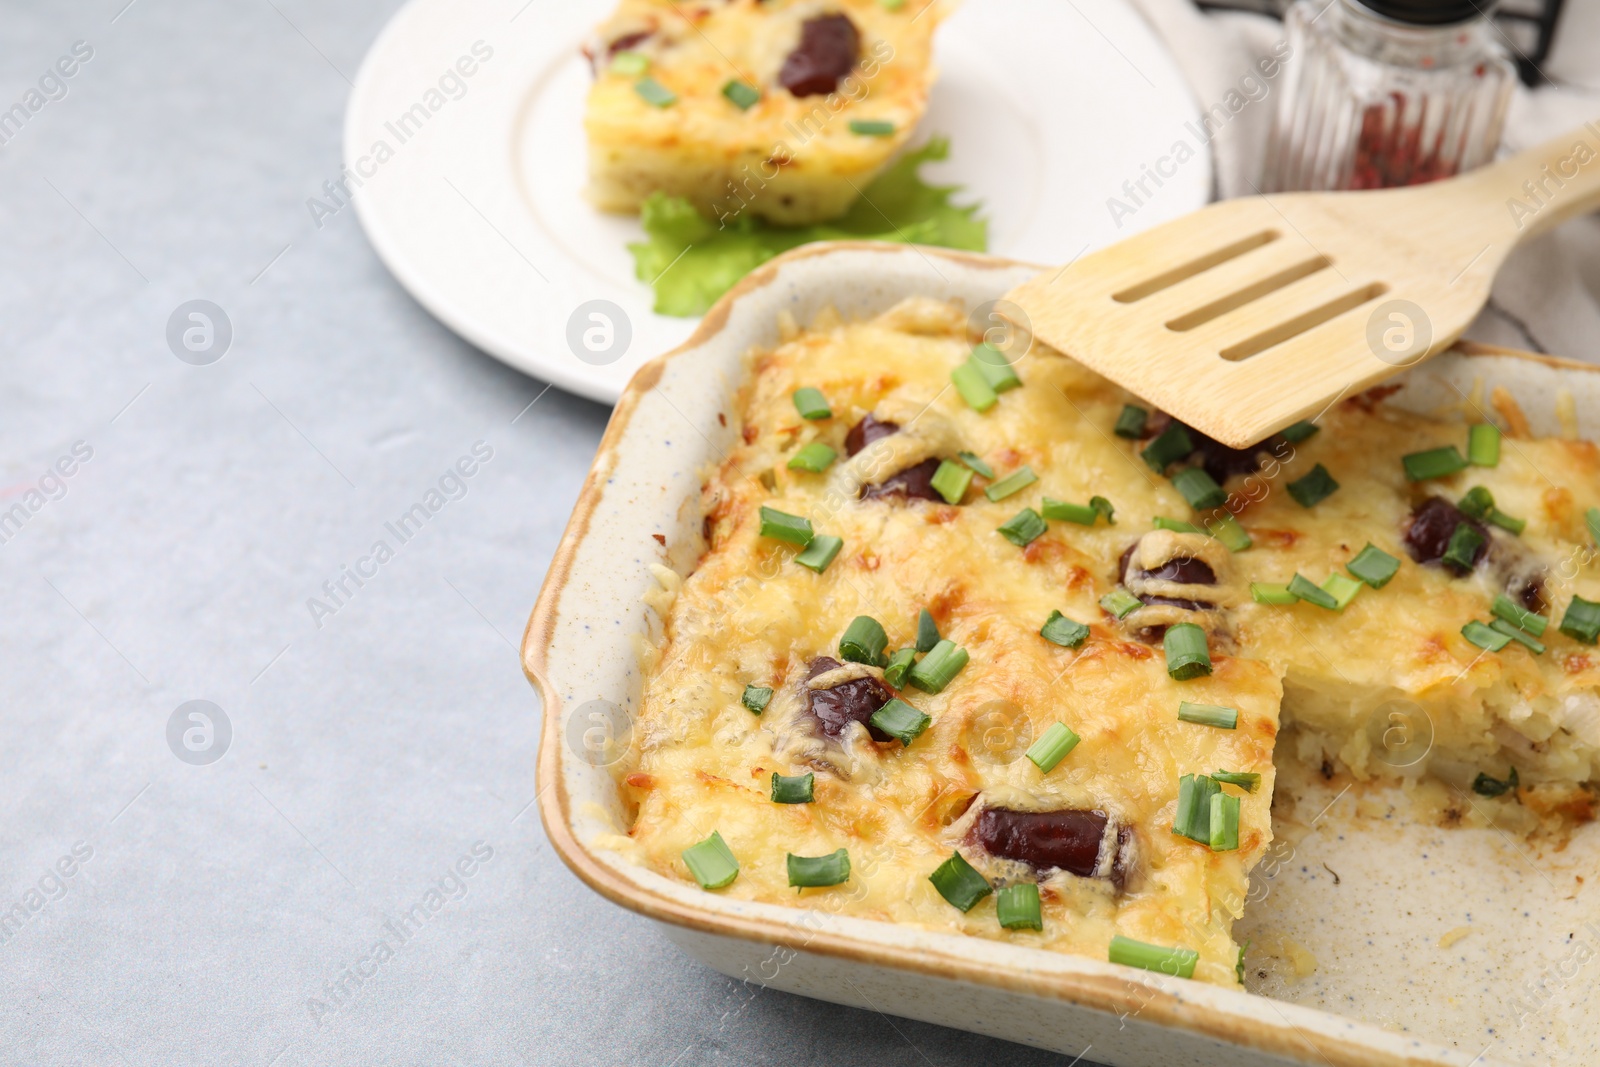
(1537, 189)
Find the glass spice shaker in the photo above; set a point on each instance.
(1382, 93)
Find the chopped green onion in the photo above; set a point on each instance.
(927, 631)
(1017, 907)
(1299, 431)
(1463, 547)
(1119, 603)
(1374, 566)
(1268, 593)
(1186, 651)
(891, 5)
(1060, 630)
(1507, 522)
(872, 127)
(899, 664)
(973, 387)
(1249, 781)
(1532, 643)
(756, 698)
(816, 872)
(820, 552)
(796, 789)
(783, 526)
(1238, 964)
(1199, 488)
(1485, 637)
(1592, 517)
(1224, 823)
(863, 641)
(1023, 528)
(711, 862)
(995, 368)
(900, 721)
(942, 663)
(654, 92)
(1582, 621)
(972, 460)
(1172, 445)
(630, 64)
(1311, 593)
(1230, 533)
(1209, 715)
(1485, 786)
(1052, 747)
(811, 404)
(1313, 488)
(1161, 522)
(1170, 961)
(950, 481)
(1017, 480)
(1477, 503)
(959, 882)
(814, 457)
(1131, 422)
(1342, 588)
(1082, 514)
(1193, 817)
(1518, 616)
(1434, 463)
(1483, 445)
(1103, 506)
(744, 97)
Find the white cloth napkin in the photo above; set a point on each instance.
(1547, 296)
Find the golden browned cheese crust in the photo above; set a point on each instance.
(749, 615)
(793, 159)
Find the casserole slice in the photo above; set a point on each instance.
(783, 109)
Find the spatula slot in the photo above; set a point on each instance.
(1303, 322)
(1188, 270)
(1252, 292)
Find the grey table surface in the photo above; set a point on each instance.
(168, 911)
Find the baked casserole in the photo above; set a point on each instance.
(988, 647)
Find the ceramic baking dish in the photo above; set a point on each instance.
(1383, 936)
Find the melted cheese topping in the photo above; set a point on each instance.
(749, 615)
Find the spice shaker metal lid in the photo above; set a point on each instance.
(1429, 12)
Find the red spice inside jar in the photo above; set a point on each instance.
(1389, 153)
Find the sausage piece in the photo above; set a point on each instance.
(1428, 531)
(868, 430)
(913, 483)
(1186, 570)
(854, 701)
(828, 49)
(1085, 843)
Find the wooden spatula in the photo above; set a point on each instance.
(1251, 314)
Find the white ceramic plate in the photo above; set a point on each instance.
(477, 204)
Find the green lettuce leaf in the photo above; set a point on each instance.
(690, 261)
